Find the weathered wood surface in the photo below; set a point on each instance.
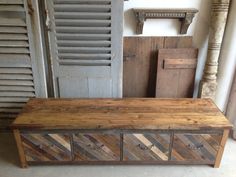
(176, 72)
(20, 148)
(47, 147)
(96, 147)
(195, 147)
(140, 62)
(116, 114)
(221, 148)
(146, 147)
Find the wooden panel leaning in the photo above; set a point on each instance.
(121, 131)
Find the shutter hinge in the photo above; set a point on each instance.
(48, 21)
(30, 7)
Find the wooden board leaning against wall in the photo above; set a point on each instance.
(140, 65)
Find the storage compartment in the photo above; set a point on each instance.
(46, 147)
(199, 148)
(96, 147)
(146, 147)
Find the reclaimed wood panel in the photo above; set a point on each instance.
(146, 147)
(176, 72)
(140, 61)
(196, 147)
(96, 147)
(128, 114)
(47, 147)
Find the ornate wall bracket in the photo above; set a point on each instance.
(184, 15)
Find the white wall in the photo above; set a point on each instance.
(199, 30)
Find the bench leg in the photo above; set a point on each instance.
(20, 148)
(221, 149)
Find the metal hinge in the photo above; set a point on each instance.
(48, 21)
(30, 7)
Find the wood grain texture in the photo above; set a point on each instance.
(221, 149)
(195, 147)
(146, 147)
(96, 147)
(176, 73)
(116, 114)
(140, 61)
(21, 152)
(47, 147)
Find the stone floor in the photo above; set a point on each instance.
(9, 166)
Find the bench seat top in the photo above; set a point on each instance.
(125, 114)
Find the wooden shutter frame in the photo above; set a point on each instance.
(16, 95)
(116, 47)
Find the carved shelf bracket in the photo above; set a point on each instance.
(184, 15)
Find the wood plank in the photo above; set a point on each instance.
(20, 148)
(47, 147)
(96, 147)
(110, 114)
(144, 147)
(221, 150)
(176, 72)
(180, 63)
(140, 61)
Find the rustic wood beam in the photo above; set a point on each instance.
(184, 15)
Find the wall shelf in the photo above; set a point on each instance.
(184, 15)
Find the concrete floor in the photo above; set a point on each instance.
(9, 166)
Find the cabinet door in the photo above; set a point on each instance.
(96, 147)
(47, 147)
(195, 147)
(146, 147)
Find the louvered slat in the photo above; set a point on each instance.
(12, 22)
(16, 76)
(13, 99)
(15, 30)
(82, 7)
(16, 82)
(15, 71)
(90, 50)
(17, 88)
(83, 31)
(14, 44)
(10, 8)
(83, 1)
(82, 15)
(20, 2)
(79, 43)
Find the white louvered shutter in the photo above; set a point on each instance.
(86, 47)
(16, 59)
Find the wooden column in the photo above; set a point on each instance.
(219, 14)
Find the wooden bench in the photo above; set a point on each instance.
(121, 131)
